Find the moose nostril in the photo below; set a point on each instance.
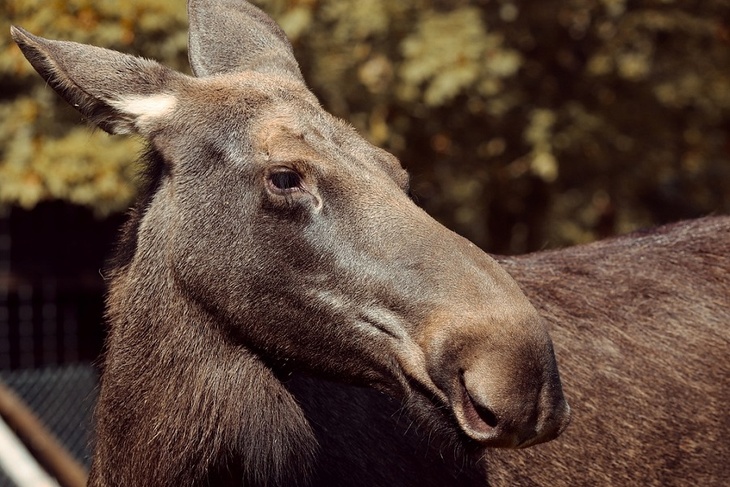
(485, 414)
(480, 417)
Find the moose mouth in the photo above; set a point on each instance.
(483, 411)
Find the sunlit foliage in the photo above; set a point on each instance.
(46, 152)
(525, 124)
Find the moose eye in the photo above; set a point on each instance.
(284, 181)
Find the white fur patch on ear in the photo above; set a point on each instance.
(145, 110)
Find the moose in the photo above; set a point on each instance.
(282, 314)
(272, 239)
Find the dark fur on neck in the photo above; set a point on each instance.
(224, 422)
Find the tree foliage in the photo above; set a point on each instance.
(45, 150)
(524, 124)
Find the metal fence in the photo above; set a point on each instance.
(51, 315)
(63, 399)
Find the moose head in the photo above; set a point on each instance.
(272, 237)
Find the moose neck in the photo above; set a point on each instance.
(180, 403)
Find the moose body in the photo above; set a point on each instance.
(272, 239)
(641, 325)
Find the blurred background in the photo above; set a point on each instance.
(525, 126)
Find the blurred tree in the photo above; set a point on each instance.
(45, 150)
(524, 124)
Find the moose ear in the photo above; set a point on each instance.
(229, 36)
(119, 93)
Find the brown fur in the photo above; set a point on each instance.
(641, 326)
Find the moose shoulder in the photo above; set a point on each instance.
(641, 326)
(272, 238)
